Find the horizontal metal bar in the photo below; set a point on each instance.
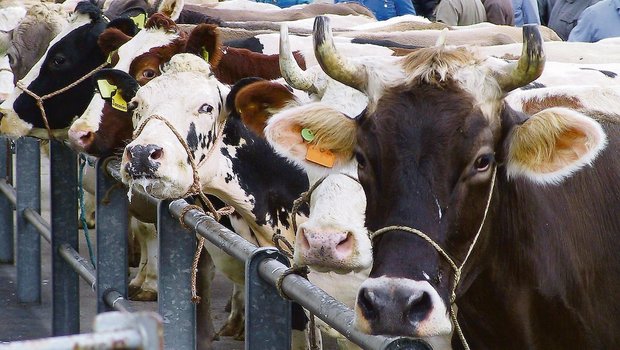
(38, 223)
(78, 263)
(210, 229)
(8, 191)
(116, 339)
(311, 297)
(113, 166)
(116, 301)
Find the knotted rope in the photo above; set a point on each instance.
(40, 99)
(4, 69)
(195, 189)
(457, 269)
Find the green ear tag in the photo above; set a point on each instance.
(105, 89)
(307, 135)
(139, 20)
(118, 102)
(205, 54)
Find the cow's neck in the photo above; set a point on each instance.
(247, 174)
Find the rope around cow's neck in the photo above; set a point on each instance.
(457, 269)
(195, 189)
(40, 99)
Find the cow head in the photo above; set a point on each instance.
(70, 56)
(102, 130)
(30, 39)
(435, 139)
(334, 238)
(192, 100)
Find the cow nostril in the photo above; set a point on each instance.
(346, 244)
(87, 137)
(157, 153)
(366, 300)
(418, 307)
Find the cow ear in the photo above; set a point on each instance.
(125, 25)
(552, 144)
(117, 83)
(255, 103)
(204, 41)
(111, 39)
(171, 8)
(314, 136)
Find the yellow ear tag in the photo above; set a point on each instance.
(139, 20)
(105, 89)
(319, 156)
(118, 102)
(205, 54)
(109, 60)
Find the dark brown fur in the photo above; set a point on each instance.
(256, 102)
(545, 273)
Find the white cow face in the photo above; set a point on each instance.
(189, 97)
(334, 238)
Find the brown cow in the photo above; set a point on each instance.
(101, 129)
(523, 207)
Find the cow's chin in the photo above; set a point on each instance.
(158, 187)
(13, 127)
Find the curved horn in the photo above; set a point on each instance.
(291, 72)
(333, 63)
(530, 65)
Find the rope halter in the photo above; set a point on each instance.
(195, 189)
(40, 99)
(457, 269)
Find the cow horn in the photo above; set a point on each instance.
(333, 63)
(291, 72)
(530, 65)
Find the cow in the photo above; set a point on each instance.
(510, 217)
(28, 41)
(101, 130)
(71, 55)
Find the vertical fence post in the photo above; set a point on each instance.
(6, 207)
(65, 288)
(28, 179)
(112, 225)
(268, 316)
(176, 251)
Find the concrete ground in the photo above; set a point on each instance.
(32, 321)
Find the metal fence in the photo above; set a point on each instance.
(268, 321)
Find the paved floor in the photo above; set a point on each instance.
(31, 321)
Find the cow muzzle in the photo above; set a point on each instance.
(328, 251)
(143, 161)
(401, 307)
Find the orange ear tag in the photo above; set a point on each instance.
(319, 156)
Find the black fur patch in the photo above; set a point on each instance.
(251, 43)
(607, 73)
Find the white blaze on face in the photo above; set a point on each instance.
(144, 41)
(186, 94)
(11, 125)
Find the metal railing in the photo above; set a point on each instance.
(268, 316)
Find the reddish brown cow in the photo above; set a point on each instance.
(102, 130)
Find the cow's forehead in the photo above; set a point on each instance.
(180, 90)
(77, 20)
(144, 41)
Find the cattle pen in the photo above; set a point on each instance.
(267, 321)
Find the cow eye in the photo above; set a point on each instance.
(10, 59)
(361, 160)
(205, 108)
(149, 73)
(483, 162)
(58, 61)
